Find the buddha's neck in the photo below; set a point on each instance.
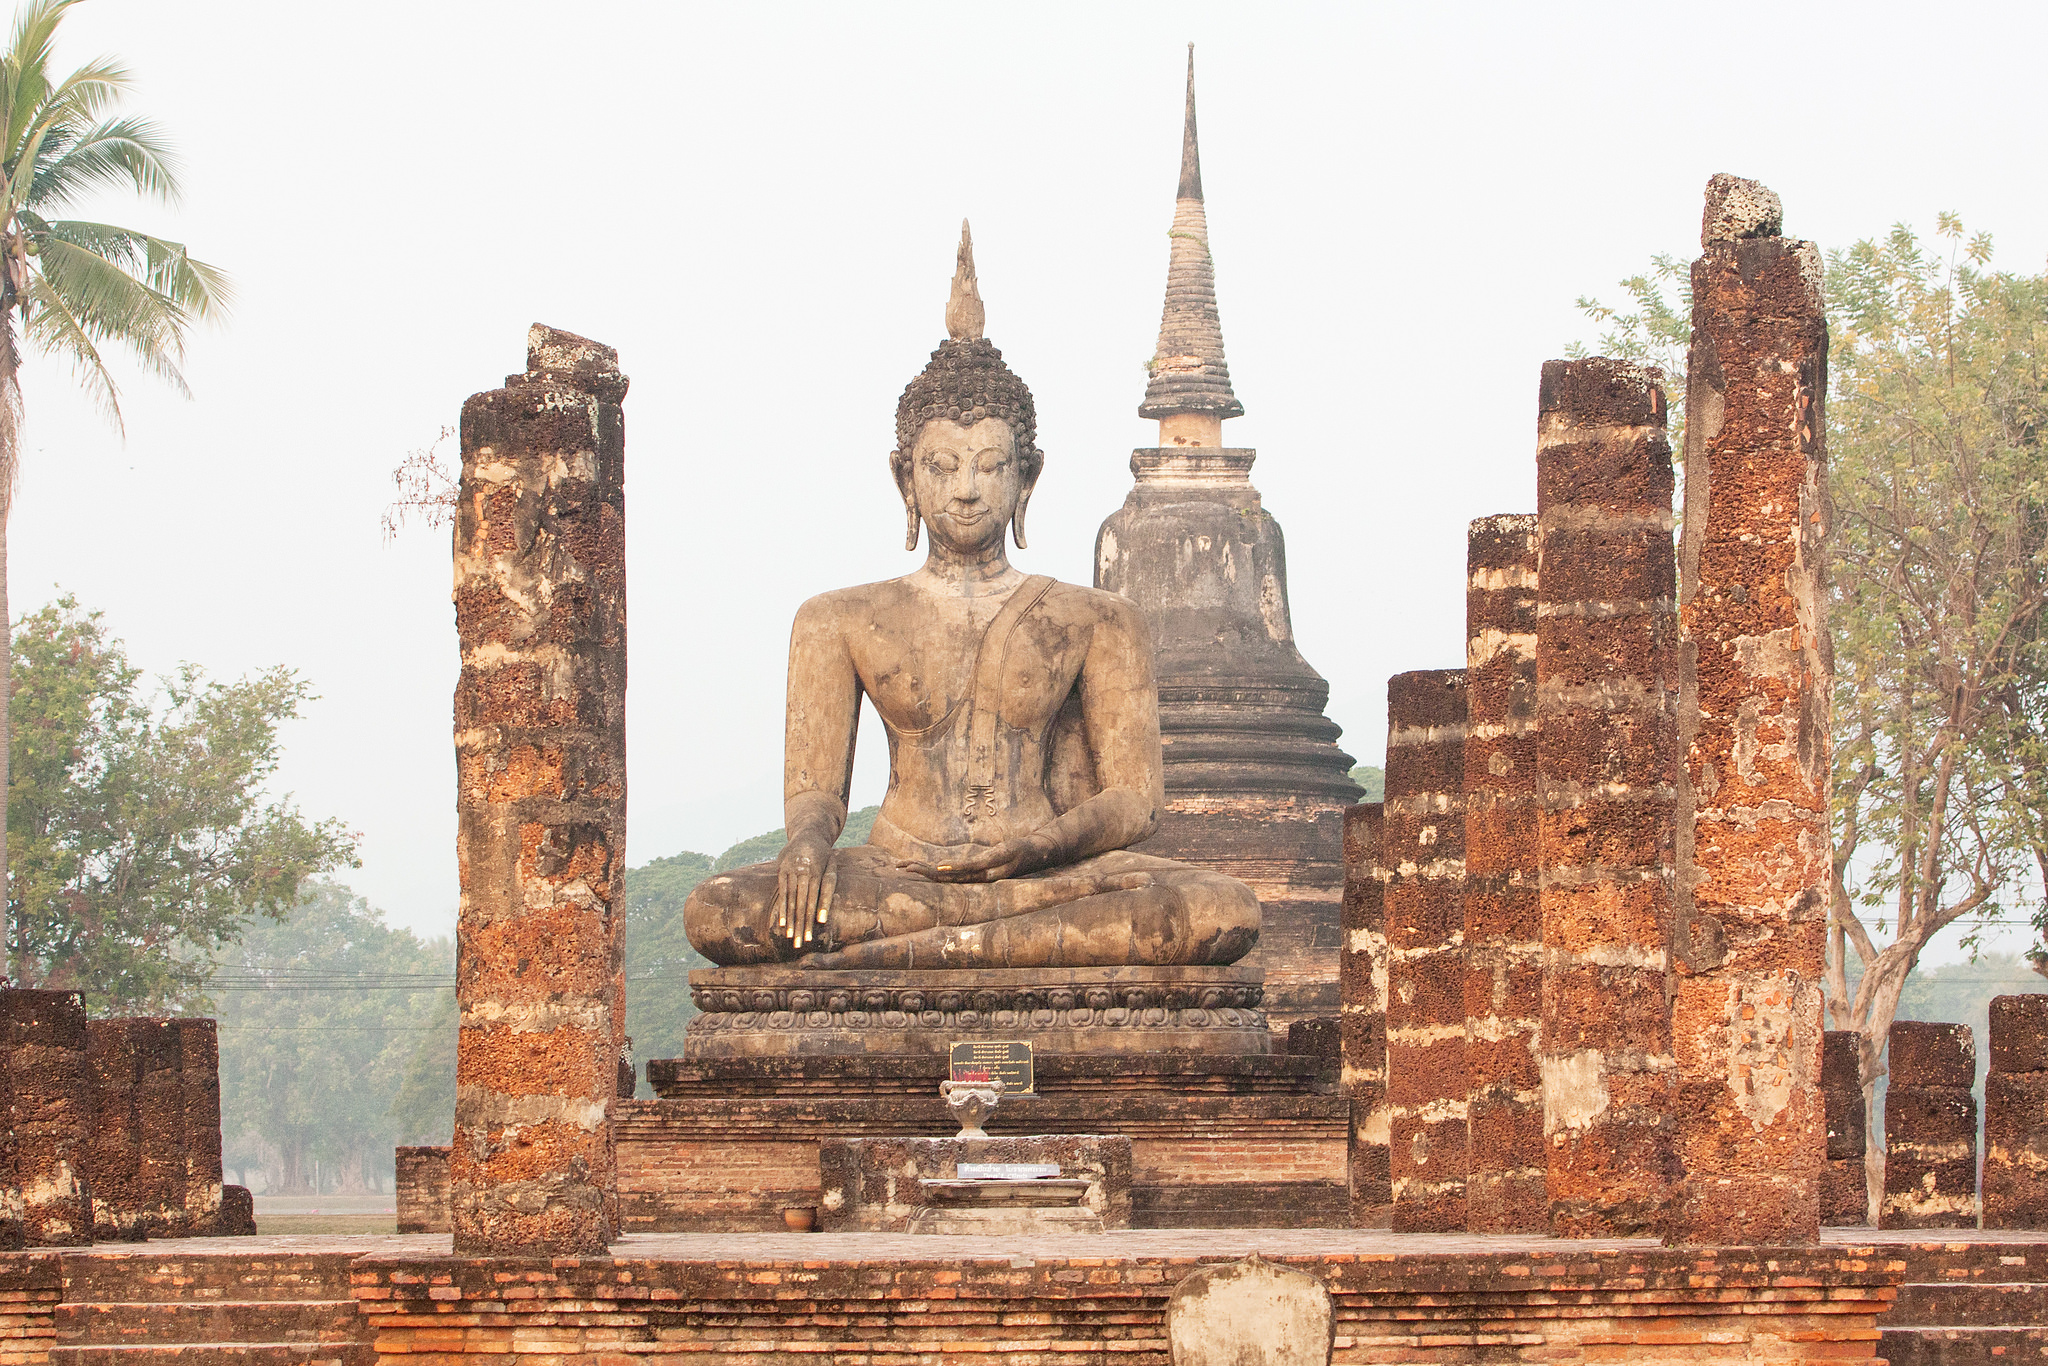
(968, 574)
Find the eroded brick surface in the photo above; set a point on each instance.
(1504, 1190)
(1930, 1128)
(1606, 702)
(1750, 905)
(1363, 1017)
(541, 771)
(50, 1088)
(1844, 1186)
(2016, 1115)
(1422, 857)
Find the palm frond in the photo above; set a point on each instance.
(119, 152)
(53, 327)
(27, 61)
(199, 290)
(110, 305)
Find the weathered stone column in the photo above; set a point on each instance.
(1362, 1014)
(1606, 679)
(540, 743)
(1844, 1184)
(1504, 1191)
(199, 1081)
(1423, 855)
(1930, 1127)
(1749, 918)
(50, 1080)
(2016, 1114)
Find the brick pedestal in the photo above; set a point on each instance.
(2016, 1115)
(1422, 856)
(1504, 1190)
(1930, 1128)
(540, 739)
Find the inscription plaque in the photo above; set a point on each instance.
(1004, 1060)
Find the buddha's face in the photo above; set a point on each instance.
(966, 482)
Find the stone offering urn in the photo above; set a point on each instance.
(971, 1102)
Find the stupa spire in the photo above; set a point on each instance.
(1189, 393)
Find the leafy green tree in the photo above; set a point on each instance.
(1937, 414)
(77, 285)
(423, 1111)
(319, 1015)
(1373, 779)
(143, 840)
(659, 957)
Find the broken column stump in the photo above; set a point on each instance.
(1362, 978)
(1504, 1189)
(1844, 1184)
(1606, 680)
(2016, 1114)
(1930, 1128)
(1422, 853)
(540, 727)
(49, 1078)
(199, 1084)
(1750, 901)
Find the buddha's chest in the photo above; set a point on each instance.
(922, 680)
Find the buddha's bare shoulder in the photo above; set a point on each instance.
(1075, 603)
(859, 600)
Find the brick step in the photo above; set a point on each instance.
(138, 1278)
(210, 1321)
(1931, 1262)
(2007, 1304)
(205, 1353)
(1953, 1346)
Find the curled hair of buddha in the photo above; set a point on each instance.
(964, 382)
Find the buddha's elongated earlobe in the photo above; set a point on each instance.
(910, 525)
(1017, 520)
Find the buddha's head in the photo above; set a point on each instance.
(966, 458)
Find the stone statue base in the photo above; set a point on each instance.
(794, 1012)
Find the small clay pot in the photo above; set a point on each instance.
(800, 1220)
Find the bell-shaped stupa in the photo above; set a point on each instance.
(1255, 782)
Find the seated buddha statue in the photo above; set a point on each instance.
(1023, 729)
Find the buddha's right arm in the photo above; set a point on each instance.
(823, 713)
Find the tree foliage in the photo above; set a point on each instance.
(659, 957)
(142, 837)
(321, 1015)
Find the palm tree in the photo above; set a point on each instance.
(78, 286)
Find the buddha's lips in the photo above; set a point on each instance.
(968, 518)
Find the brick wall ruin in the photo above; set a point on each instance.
(1362, 1076)
(540, 731)
(1422, 856)
(113, 1127)
(1635, 823)
(1504, 1187)
(1844, 1184)
(1754, 851)
(2016, 1114)
(1930, 1128)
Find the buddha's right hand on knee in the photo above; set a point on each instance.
(805, 878)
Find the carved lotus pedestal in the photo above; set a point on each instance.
(790, 1012)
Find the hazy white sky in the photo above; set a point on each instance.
(757, 205)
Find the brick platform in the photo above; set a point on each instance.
(1214, 1141)
(785, 1298)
